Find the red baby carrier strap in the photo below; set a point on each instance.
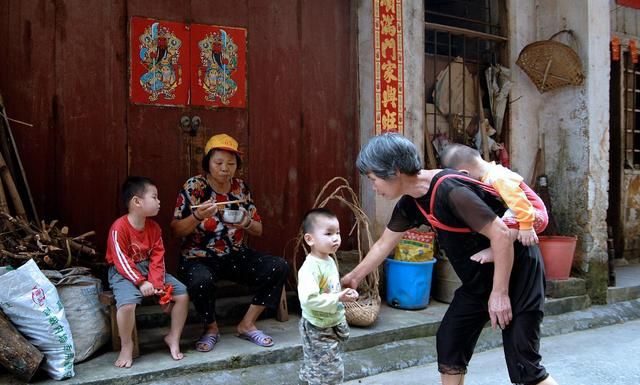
(433, 221)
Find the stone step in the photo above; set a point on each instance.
(620, 294)
(403, 353)
(229, 311)
(398, 339)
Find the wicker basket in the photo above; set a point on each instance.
(551, 64)
(364, 311)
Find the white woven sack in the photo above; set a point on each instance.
(88, 318)
(31, 302)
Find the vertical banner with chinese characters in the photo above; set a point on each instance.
(159, 62)
(218, 66)
(388, 67)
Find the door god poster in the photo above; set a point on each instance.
(218, 66)
(159, 62)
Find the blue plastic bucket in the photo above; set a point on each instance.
(408, 283)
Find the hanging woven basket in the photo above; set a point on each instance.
(551, 64)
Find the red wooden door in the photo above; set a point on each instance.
(159, 146)
(298, 130)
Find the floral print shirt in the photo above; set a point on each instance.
(212, 237)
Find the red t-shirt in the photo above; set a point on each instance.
(127, 246)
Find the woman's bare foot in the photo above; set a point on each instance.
(125, 358)
(483, 256)
(174, 346)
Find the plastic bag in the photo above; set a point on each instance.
(415, 246)
(89, 320)
(31, 302)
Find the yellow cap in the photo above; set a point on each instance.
(222, 142)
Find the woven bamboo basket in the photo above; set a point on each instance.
(365, 310)
(551, 64)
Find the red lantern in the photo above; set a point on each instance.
(633, 51)
(615, 48)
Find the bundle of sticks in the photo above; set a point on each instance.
(50, 246)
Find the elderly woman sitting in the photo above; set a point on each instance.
(212, 243)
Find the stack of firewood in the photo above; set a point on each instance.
(50, 246)
(23, 235)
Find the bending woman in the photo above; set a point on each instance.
(213, 249)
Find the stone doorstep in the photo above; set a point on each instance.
(387, 353)
(395, 331)
(559, 288)
(229, 311)
(620, 294)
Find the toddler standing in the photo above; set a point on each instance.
(323, 325)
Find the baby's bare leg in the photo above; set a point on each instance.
(178, 318)
(486, 256)
(126, 320)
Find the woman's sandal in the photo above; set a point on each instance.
(257, 337)
(207, 342)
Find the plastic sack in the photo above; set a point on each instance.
(89, 319)
(415, 246)
(31, 302)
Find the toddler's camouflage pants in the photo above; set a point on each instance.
(322, 347)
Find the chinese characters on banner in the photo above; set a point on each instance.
(388, 66)
(629, 3)
(174, 64)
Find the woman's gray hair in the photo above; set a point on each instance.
(387, 154)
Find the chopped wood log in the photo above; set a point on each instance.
(83, 236)
(5, 173)
(18, 355)
(4, 207)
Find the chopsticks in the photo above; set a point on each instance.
(220, 203)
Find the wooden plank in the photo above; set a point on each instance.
(90, 128)
(27, 84)
(302, 113)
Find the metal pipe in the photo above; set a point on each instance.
(464, 32)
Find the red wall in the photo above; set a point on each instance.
(64, 68)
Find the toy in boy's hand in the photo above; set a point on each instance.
(352, 293)
(167, 295)
(348, 295)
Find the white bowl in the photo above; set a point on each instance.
(232, 216)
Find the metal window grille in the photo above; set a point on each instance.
(468, 31)
(631, 112)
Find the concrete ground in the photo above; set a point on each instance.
(397, 340)
(603, 357)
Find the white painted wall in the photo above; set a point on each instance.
(378, 209)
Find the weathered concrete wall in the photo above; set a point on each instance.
(574, 122)
(525, 98)
(378, 209)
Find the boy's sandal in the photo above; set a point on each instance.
(207, 342)
(257, 337)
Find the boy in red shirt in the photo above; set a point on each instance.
(135, 253)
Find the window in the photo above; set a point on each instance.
(631, 112)
(462, 39)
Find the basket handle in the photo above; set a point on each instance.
(571, 34)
